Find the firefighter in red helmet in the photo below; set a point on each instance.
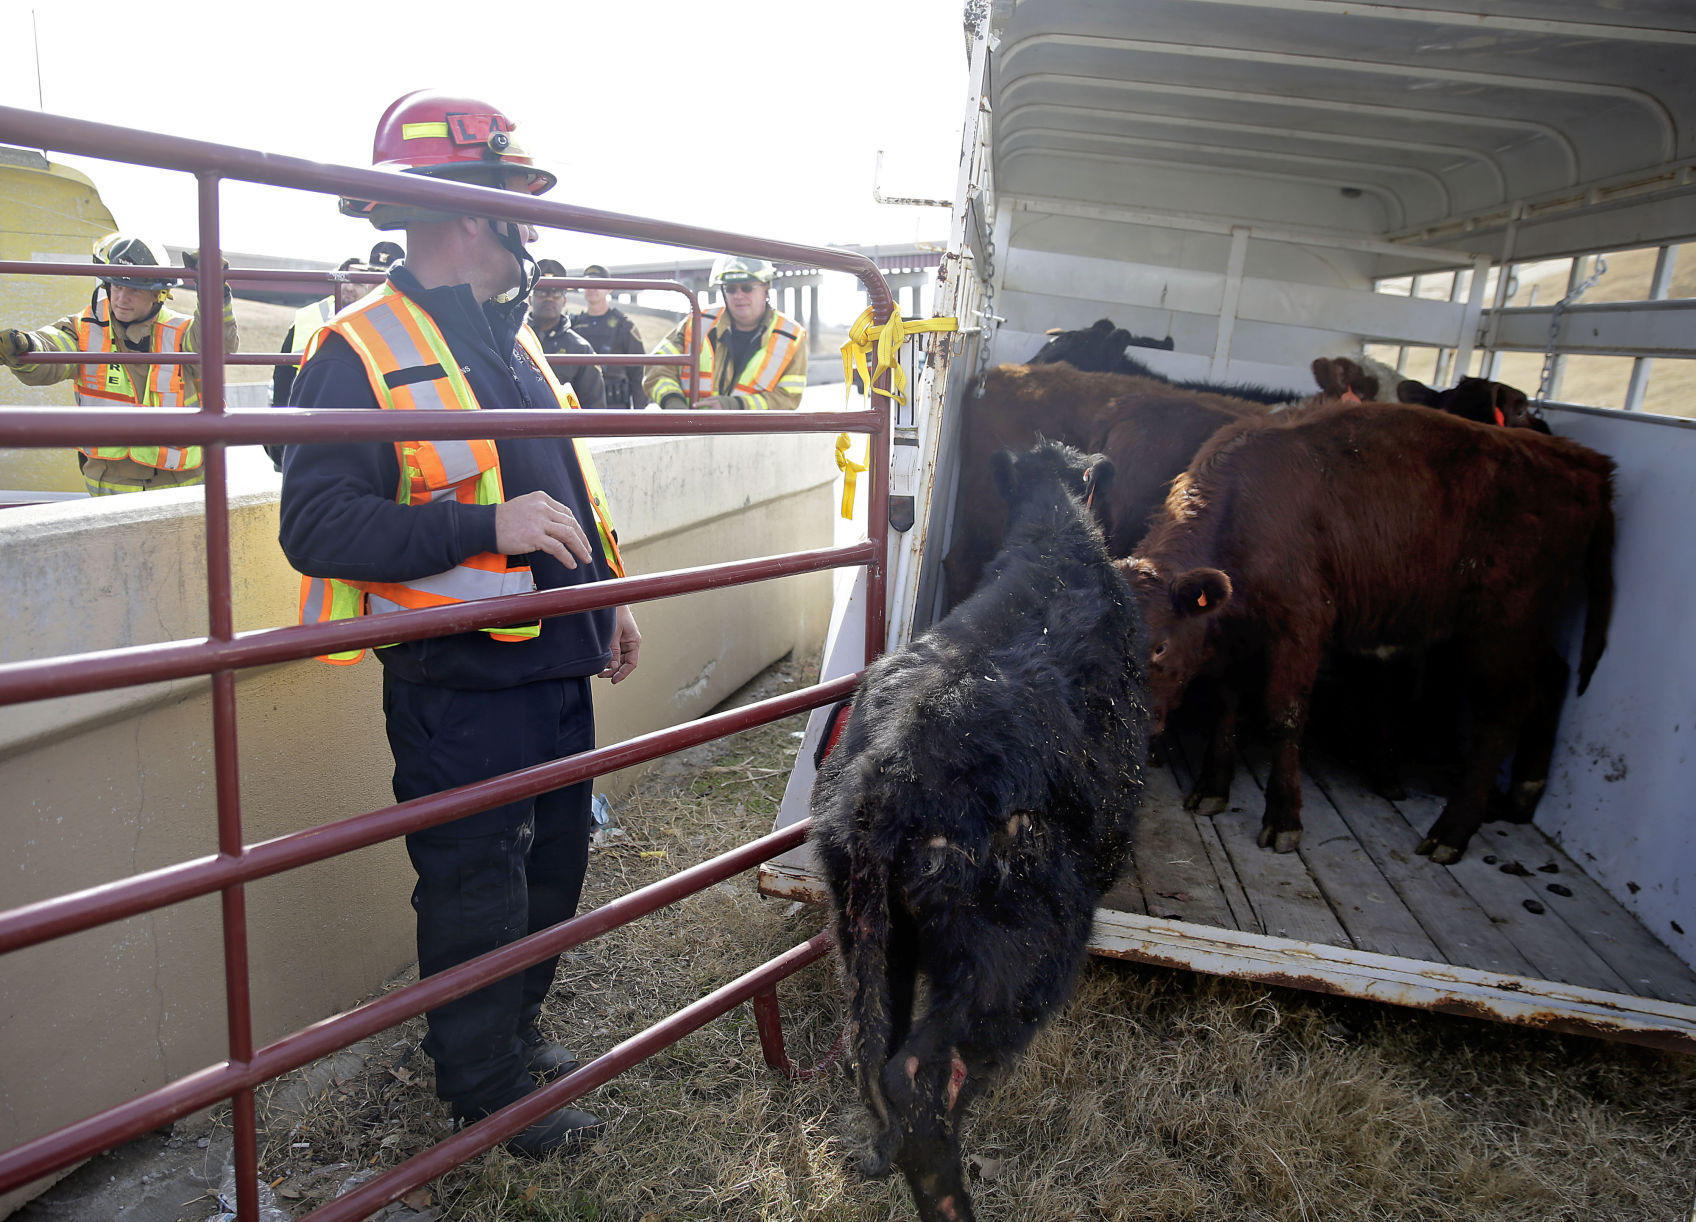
(465, 520)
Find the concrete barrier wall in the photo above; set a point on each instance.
(106, 785)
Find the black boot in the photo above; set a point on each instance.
(565, 1131)
(545, 1061)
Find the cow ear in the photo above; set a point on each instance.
(1200, 592)
(1098, 479)
(1416, 392)
(1001, 471)
(1324, 375)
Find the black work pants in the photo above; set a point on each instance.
(492, 877)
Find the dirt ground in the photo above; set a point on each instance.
(1155, 1095)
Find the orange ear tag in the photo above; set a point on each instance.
(1201, 600)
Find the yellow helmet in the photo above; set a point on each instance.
(739, 269)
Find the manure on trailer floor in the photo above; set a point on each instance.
(1155, 1095)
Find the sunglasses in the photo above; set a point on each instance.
(747, 287)
(547, 291)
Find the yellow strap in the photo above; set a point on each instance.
(888, 338)
(849, 469)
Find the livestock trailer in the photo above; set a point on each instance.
(1270, 181)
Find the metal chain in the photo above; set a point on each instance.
(1543, 383)
(986, 311)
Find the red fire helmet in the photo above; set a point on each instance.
(440, 136)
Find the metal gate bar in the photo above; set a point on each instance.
(224, 651)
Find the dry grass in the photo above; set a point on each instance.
(1154, 1095)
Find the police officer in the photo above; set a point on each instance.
(547, 319)
(610, 330)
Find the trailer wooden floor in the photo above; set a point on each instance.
(1356, 883)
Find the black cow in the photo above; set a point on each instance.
(1101, 348)
(1477, 399)
(977, 805)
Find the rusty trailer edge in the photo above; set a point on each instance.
(1290, 963)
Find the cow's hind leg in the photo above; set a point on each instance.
(928, 1084)
(1501, 687)
(1536, 747)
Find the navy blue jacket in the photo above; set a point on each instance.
(340, 517)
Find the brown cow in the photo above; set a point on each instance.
(1376, 528)
(1148, 428)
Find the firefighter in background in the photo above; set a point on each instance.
(126, 313)
(464, 520)
(310, 317)
(547, 319)
(753, 356)
(610, 331)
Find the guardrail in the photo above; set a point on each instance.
(223, 651)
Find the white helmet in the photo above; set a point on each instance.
(738, 269)
(125, 250)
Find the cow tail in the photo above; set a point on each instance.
(1599, 579)
(870, 1024)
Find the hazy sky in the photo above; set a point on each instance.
(774, 118)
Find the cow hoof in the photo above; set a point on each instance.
(1207, 804)
(1445, 854)
(873, 1164)
(1426, 845)
(1279, 841)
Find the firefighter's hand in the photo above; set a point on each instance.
(626, 644)
(14, 346)
(720, 403)
(674, 403)
(535, 522)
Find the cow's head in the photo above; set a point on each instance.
(1342, 380)
(1088, 477)
(1477, 399)
(1180, 613)
(1098, 348)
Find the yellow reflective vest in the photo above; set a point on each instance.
(393, 335)
(773, 378)
(307, 320)
(143, 385)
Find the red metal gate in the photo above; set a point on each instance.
(223, 652)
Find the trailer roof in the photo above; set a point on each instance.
(1435, 124)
